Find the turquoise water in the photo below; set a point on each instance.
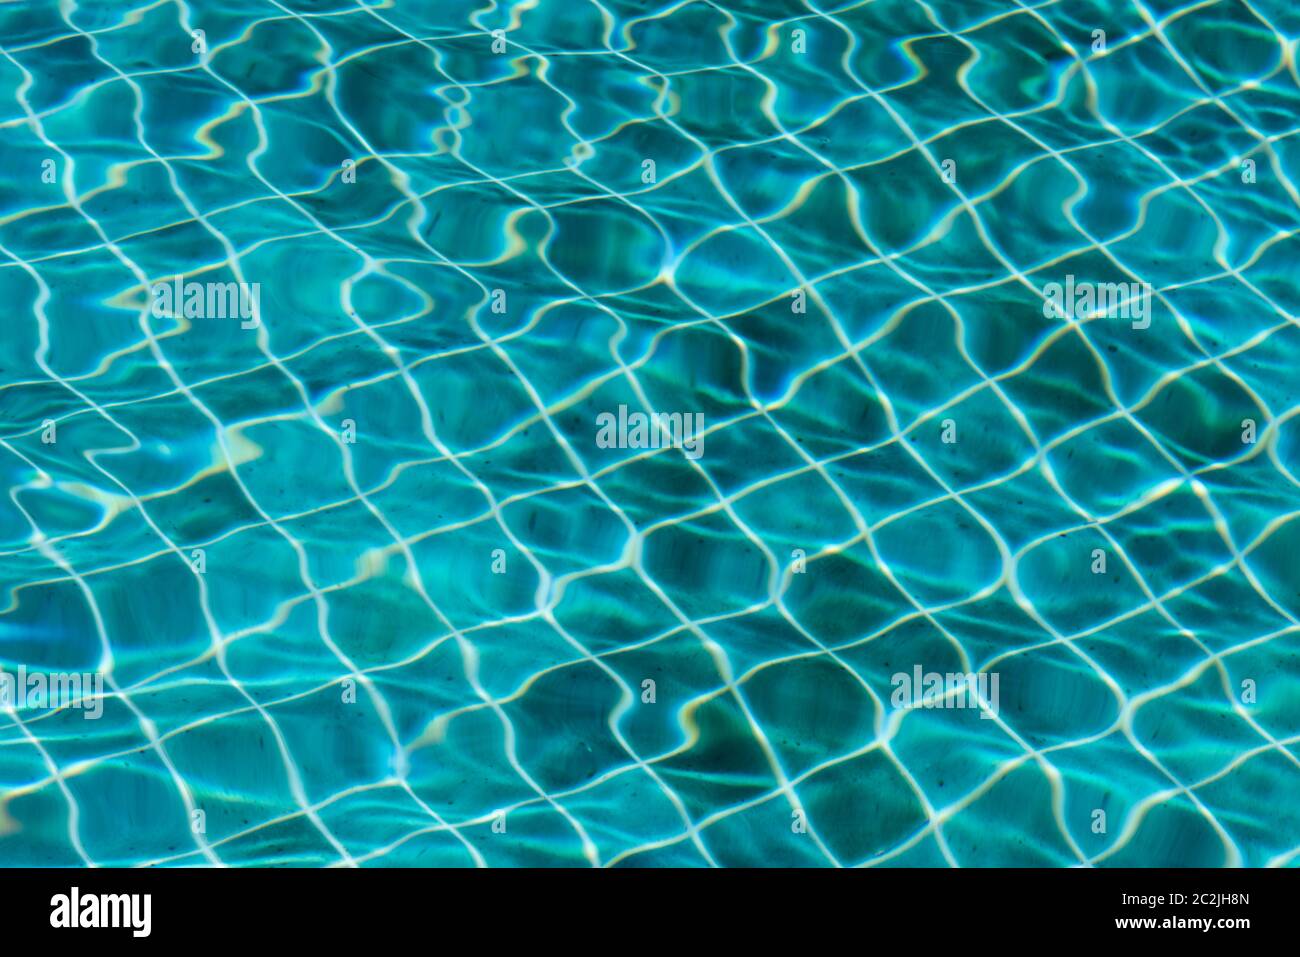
(365, 583)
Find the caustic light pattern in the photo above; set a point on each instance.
(601, 432)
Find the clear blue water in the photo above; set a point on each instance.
(364, 586)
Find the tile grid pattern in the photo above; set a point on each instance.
(780, 579)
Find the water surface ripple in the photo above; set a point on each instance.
(365, 589)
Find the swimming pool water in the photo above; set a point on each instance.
(382, 560)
